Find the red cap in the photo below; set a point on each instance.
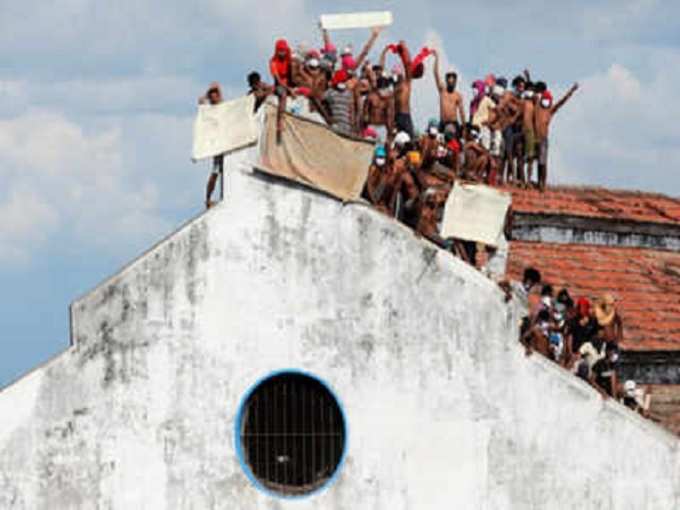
(547, 95)
(583, 306)
(339, 77)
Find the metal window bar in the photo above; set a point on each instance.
(293, 434)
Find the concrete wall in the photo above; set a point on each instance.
(566, 234)
(443, 408)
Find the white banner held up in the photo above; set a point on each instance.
(356, 20)
(224, 127)
(475, 212)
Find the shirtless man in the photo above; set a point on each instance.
(528, 130)
(450, 100)
(402, 88)
(314, 79)
(506, 113)
(383, 182)
(477, 159)
(378, 107)
(259, 89)
(543, 116)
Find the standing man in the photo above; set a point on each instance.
(543, 116)
(528, 130)
(213, 96)
(402, 87)
(342, 105)
(378, 107)
(451, 109)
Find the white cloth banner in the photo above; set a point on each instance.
(224, 127)
(475, 212)
(356, 20)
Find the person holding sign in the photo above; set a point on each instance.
(213, 96)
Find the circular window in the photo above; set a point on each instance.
(291, 434)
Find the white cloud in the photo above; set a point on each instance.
(65, 183)
(618, 131)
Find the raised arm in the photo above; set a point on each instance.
(383, 57)
(375, 32)
(326, 39)
(437, 75)
(565, 98)
(405, 59)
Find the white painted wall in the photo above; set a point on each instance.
(443, 408)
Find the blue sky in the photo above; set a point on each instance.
(97, 100)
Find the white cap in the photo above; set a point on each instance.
(347, 50)
(402, 138)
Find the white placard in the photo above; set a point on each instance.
(356, 20)
(224, 127)
(475, 212)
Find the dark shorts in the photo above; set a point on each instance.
(543, 152)
(405, 123)
(218, 165)
(512, 136)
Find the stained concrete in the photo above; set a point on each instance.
(443, 408)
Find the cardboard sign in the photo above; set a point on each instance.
(356, 20)
(224, 127)
(475, 212)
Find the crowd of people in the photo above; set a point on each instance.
(582, 336)
(501, 138)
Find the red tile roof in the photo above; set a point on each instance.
(646, 283)
(598, 203)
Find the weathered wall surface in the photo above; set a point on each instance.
(443, 409)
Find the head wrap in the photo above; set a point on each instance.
(583, 306)
(479, 87)
(605, 310)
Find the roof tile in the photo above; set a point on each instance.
(644, 281)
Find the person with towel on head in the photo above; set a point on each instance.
(403, 86)
(609, 321)
(280, 66)
(342, 105)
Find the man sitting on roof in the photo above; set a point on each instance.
(213, 96)
(259, 89)
(477, 159)
(603, 372)
(383, 182)
(580, 329)
(280, 66)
